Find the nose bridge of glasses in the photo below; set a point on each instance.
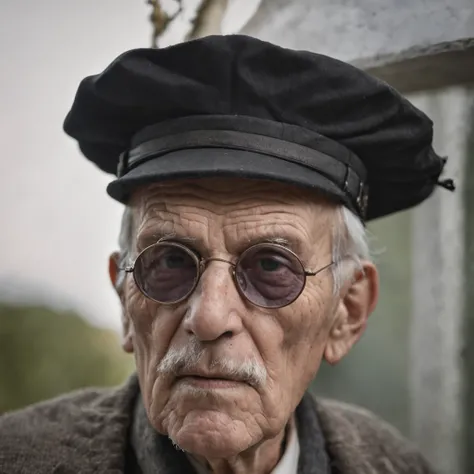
(215, 276)
(205, 261)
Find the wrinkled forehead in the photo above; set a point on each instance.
(242, 206)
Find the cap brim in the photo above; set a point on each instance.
(214, 162)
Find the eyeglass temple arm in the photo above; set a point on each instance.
(310, 273)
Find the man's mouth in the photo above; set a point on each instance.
(214, 381)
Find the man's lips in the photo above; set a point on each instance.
(209, 380)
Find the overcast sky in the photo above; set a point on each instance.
(58, 225)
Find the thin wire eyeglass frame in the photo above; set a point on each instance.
(201, 264)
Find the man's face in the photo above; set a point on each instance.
(219, 375)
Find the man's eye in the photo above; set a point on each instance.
(174, 261)
(269, 264)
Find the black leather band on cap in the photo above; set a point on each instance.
(339, 171)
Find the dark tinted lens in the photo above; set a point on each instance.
(270, 276)
(166, 272)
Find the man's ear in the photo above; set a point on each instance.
(358, 299)
(114, 266)
(118, 284)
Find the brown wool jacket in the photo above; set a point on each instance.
(87, 432)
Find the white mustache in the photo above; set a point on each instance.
(186, 359)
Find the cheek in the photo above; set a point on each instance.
(153, 329)
(291, 342)
(307, 340)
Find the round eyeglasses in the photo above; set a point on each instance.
(266, 274)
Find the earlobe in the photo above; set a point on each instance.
(357, 302)
(335, 350)
(127, 340)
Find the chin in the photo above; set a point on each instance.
(212, 434)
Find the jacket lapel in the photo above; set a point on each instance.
(313, 456)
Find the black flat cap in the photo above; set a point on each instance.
(238, 106)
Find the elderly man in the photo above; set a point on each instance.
(247, 171)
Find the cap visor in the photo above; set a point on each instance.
(198, 163)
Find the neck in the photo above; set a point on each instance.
(259, 459)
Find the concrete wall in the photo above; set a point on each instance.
(354, 29)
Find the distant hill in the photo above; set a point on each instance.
(45, 352)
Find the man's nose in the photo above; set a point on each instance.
(215, 306)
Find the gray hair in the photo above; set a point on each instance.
(350, 245)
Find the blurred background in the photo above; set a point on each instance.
(59, 316)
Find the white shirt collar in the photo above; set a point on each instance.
(288, 463)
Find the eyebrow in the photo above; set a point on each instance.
(146, 239)
(287, 241)
(270, 240)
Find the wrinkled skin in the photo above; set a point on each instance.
(238, 429)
